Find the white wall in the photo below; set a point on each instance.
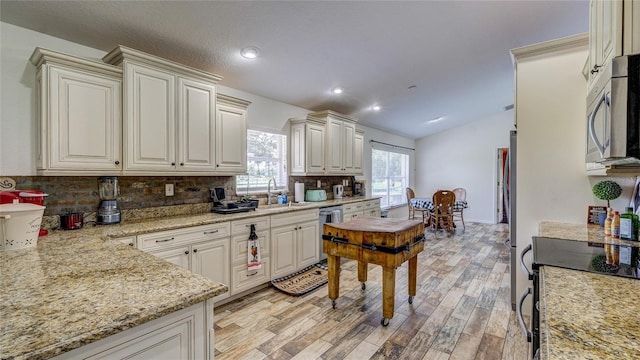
(18, 115)
(465, 157)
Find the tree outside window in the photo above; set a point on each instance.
(266, 159)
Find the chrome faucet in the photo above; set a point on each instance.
(275, 185)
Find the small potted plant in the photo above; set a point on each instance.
(606, 190)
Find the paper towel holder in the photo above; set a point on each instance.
(299, 192)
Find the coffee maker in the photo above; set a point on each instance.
(108, 212)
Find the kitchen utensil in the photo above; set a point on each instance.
(72, 221)
(108, 212)
(20, 225)
(315, 195)
(338, 191)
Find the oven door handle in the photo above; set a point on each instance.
(521, 317)
(522, 265)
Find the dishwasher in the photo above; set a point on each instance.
(331, 214)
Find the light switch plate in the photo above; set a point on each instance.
(168, 189)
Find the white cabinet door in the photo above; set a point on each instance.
(348, 138)
(231, 140)
(308, 244)
(242, 279)
(334, 147)
(178, 256)
(283, 250)
(211, 259)
(315, 149)
(84, 121)
(150, 129)
(358, 154)
(298, 150)
(196, 125)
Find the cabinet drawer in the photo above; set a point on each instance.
(128, 240)
(171, 238)
(372, 204)
(241, 281)
(239, 247)
(242, 227)
(355, 207)
(294, 217)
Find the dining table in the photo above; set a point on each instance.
(426, 203)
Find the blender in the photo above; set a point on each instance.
(108, 212)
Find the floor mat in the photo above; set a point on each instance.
(303, 281)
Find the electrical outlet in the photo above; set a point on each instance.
(168, 189)
(318, 184)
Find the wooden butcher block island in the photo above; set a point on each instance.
(370, 240)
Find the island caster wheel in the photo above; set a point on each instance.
(384, 322)
(333, 304)
(363, 286)
(410, 299)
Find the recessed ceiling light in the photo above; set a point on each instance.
(376, 107)
(250, 52)
(337, 90)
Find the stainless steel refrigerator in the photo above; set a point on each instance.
(509, 189)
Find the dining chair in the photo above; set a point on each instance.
(412, 209)
(441, 216)
(461, 196)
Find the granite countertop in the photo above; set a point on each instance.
(580, 232)
(588, 316)
(78, 286)
(75, 288)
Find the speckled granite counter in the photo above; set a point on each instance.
(75, 288)
(579, 232)
(588, 316)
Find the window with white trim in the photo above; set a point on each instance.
(389, 176)
(266, 159)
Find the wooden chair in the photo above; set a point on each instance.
(461, 195)
(412, 209)
(442, 214)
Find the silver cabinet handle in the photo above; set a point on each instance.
(522, 265)
(210, 232)
(520, 317)
(165, 240)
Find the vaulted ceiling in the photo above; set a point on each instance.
(418, 60)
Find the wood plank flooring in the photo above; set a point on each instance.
(462, 310)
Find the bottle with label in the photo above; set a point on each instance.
(607, 223)
(629, 225)
(615, 225)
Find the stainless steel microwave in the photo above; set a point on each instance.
(613, 114)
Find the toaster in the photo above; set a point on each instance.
(315, 195)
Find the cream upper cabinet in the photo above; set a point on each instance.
(169, 115)
(358, 153)
(339, 142)
(307, 146)
(80, 119)
(231, 135)
(614, 30)
(196, 128)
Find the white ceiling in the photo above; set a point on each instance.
(456, 53)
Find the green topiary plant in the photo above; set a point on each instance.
(607, 190)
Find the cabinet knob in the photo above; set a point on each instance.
(186, 252)
(195, 250)
(217, 165)
(181, 164)
(130, 244)
(595, 69)
(117, 162)
(173, 164)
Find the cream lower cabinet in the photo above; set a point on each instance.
(205, 250)
(294, 241)
(372, 208)
(80, 116)
(186, 334)
(352, 211)
(241, 278)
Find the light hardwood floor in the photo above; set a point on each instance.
(462, 310)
